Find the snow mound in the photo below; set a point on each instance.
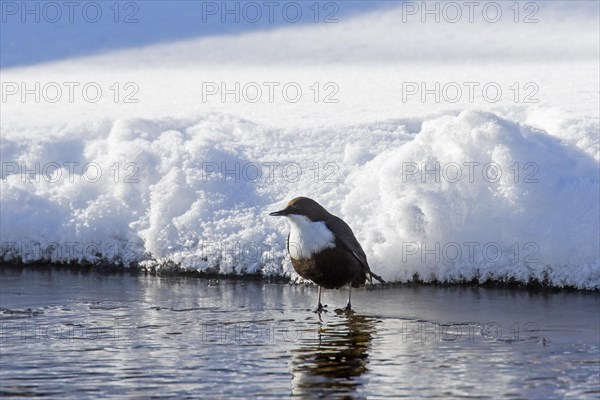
(468, 196)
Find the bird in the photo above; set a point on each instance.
(323, 248)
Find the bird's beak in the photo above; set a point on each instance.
(279, 213)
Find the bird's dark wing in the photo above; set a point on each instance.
(288, 243)
(346, 237)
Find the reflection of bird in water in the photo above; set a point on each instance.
(334, 361)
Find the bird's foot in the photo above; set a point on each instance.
(321, 308)
(346, 310)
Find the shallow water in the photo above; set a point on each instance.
(88, 335)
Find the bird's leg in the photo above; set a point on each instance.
(349, 306)
(319, 306)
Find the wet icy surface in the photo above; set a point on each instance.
(121, 336)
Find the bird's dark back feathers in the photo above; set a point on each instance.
(346, 237)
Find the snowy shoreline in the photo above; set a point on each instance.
(503, 201)
(493, 175)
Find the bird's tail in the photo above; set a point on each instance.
(380, 279)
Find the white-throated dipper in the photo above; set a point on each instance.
(323, 248)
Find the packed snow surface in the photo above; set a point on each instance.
(153, 163)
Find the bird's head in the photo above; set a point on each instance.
(305, 207)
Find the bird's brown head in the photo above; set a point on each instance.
(304, 206)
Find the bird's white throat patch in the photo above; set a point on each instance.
(308, 237)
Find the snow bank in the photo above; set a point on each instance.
(475, 196)
(469, 196)
(449, 191)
